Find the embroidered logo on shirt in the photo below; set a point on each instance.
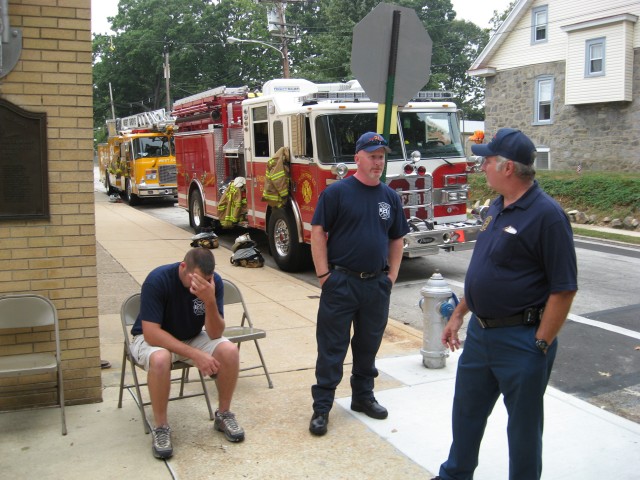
(384, 210)
(198, 307)
(486, 223)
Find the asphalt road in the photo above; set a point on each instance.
(599, 355)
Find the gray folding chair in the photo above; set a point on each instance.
(245, 331)
(128, 314)
(29, 311)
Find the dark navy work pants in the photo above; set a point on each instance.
(499, 361)
(347, 300)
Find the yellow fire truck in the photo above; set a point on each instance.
(138, 161)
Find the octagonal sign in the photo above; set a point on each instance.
(370, 53)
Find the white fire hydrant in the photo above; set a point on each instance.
(437, 303)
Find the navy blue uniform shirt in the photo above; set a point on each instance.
(523, 253)
(361, 220)
(167, 302)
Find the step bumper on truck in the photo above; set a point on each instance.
(157, 192)
(425, 240)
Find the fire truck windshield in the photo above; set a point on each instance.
(152, 147)
(433, 134)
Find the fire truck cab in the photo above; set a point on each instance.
(228, 133)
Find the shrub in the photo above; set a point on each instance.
(595, 193)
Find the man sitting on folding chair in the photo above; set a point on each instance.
(177, 301)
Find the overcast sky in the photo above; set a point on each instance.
(477, 11)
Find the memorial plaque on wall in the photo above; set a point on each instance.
(24, 187)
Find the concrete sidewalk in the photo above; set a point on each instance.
(104, 442)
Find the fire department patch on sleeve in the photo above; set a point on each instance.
(384, 210)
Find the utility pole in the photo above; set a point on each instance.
(167, 77)
(281, 30)
(113, 109)
(283, 38)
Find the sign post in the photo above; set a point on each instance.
(395, 33)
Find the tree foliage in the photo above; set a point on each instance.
(499, 17)
(195, 33)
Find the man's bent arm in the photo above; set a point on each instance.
(395, 257)
(554, 315)
(319, 250)
(206, 291)
(450, 333)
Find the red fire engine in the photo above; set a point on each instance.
(229, 133)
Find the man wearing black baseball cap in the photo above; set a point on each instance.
(519, 288)
(508, 143)
(356, 244)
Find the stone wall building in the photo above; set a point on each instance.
(567, 73)
(55, 256)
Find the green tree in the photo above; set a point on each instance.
(498, 17)
(326, 41)
(195, 32)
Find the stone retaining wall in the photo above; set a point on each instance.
(598, 136)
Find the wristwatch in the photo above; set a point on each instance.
(542, 345)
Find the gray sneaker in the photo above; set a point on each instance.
(161, 446)
(226, 422)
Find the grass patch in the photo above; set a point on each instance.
(603, 194)
(617, 237)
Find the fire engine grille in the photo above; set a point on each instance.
(167, 174)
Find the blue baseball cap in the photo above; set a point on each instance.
(509, 143)
(371, 141)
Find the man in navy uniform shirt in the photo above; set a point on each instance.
(356, 243)
(177, 301)
(519, 288)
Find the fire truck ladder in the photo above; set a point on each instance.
(157, 120)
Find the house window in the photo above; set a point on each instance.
(594, 61)
(544, 100)
(543, 158)
(539, 24)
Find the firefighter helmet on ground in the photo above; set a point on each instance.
(243, 241)
(205, 239)
(247, 257)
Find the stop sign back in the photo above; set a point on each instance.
(370, 53)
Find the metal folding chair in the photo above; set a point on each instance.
(29, 311)
(245, 331)
(128, 314)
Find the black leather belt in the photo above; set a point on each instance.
(360, 275)
(531, 316)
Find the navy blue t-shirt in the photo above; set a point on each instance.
(167, 302)
(523, 253)
(360, 220)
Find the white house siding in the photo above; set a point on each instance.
(615, 84)
(601, 135)
(518, 51)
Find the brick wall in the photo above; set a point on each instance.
(598, 136)
(56, 257)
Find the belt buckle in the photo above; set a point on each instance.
(531, 316)
(364, 275)
(482, 322)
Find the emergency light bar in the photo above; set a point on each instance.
(355, 96)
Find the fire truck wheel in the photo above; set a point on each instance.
(131, 198)
(197, 218)
(285, 247)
